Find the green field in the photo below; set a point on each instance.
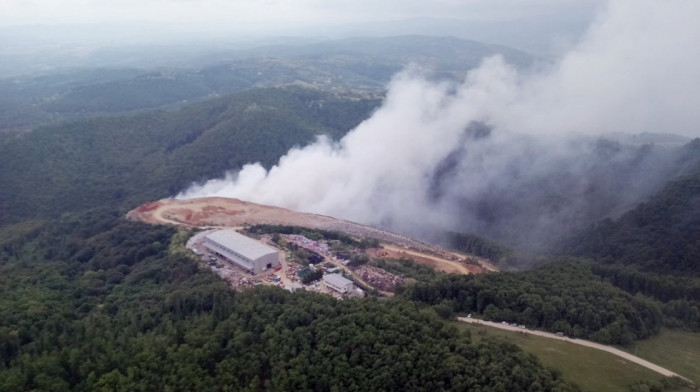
(673, 349)
(592, 370)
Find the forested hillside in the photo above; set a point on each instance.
(560, 297)
(661, 235)
(91, 302)
(126, 160)
(535, 198)
(654, 249)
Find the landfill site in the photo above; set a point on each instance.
(266, 259)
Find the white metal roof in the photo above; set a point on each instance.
(336, 280)
(240, 244)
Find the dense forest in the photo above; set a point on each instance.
(650, 252)
(475, 245)
(563, 296)
(661, 235)
(128, 160)
(92, 302)
(678, 297)
(653, 249)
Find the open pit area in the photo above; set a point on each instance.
(225, 213)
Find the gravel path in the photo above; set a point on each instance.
(580, 342)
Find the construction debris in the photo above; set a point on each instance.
(379, 278)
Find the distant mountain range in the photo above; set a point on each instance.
(360, 64)
(273, 98)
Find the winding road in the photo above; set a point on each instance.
(581, 342)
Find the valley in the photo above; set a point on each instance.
(151, 196)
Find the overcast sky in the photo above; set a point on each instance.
(275, 14)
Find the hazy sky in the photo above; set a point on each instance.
(635, 70)
(280, 13)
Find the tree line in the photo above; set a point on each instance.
(661, 235)
(563, 296)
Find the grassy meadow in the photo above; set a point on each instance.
(593, 370)
(673, 349)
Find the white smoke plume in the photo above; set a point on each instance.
(418, 164)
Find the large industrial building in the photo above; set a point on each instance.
(249, 254)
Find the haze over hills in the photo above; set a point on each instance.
(136, 158)
(502, 152)
(141, 157)
(577, 175)
(48, 46)
(358, 64)
(602, 178)
(660, 235)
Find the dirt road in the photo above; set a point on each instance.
(440, 263)
(219, 212)
(598, 346)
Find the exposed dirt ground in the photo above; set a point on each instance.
(219, 212)
(441, 262)
(222, 212)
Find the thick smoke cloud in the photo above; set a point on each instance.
(513, 156)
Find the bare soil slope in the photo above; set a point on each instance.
(220, 212)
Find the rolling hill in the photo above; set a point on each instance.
(362, 64)
(92, 301)
(660, 235)
(129, 159)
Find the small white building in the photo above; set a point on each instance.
(338, 283)
(246, 252)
